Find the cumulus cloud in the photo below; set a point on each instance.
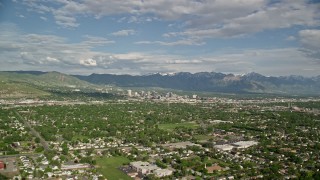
(43, 18)
(310, 38)
(65, 21)
(284, 61)
(195, 61)
(185, 42)
(88, 62)
(52, 59)
(127, 56)
(283, 14)
(36, 51)
(125, 32)
(96, 41)
(201, 19)
(37, 6)
(49, 52)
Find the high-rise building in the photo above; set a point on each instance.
(129, 93)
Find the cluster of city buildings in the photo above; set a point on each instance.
(165, 96)
(236, 145)
(141, 169)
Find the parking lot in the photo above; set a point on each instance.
(11, 165)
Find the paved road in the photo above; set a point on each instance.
(18, 155)
(34, 132)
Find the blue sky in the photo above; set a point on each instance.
(271, 37)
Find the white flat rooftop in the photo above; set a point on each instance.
(245, 144)
(224, 147)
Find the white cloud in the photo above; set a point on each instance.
(49, 52)
(63, 15)
(133, 19)
(37, 6)
(125, 32)
(283, 14)
(275, 62)
(96, 41)
(52, 59)
(185, 42)
(202, 18)
(195, 61)
(88, 62)
(27, 57)
(66, 21)
(43, 18)
(310, 38)
(129, 56)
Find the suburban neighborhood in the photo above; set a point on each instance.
(200, 138)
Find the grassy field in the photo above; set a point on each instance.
(171, 127)
(108, 166)
(78, 137)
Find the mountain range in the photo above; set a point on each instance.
(25, 81)
(214, 82)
